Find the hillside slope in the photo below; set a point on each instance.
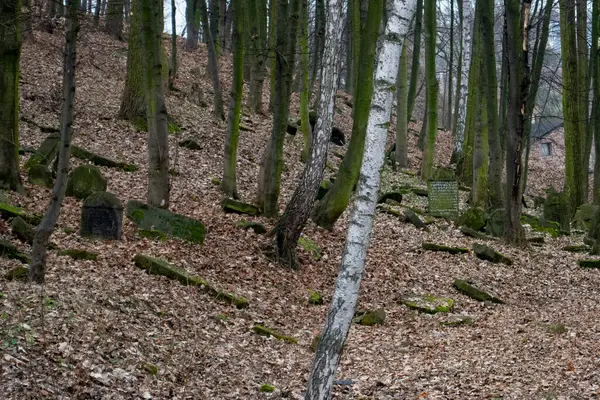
(106, 329)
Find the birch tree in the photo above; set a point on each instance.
(345, 296)
(37, 268)
(298, 210)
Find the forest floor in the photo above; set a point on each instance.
(106, 329)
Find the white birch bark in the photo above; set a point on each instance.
(467, 37)
(345, 297)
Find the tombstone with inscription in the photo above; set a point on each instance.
(443, 198)
(102, 216)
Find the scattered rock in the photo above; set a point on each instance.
(495, 223)
(46, 153)
(97, 159)
(20, 274)
(537, 240)
(423, 192)
(447, 249)
(77, 254)
(40, 175)
(255, 226)
(475, 291)
(370, 317)
(415, 220)
(9, 251)
(264, 331)
(152, 235)
(8, 212)
(238, 207)
(315, 298)
(391, 211)
(22, 230)
(190, 144)
(266, 388)
(151, 369)
(395, 196)
(474, 234)
(578, 248)
(556, 329)
(215, 181)
(310, 247)
(153, 218)
(556, 209)
(457, 320)
(487, 253)
(427, 303)
(84, 181)
(157, 266)
(473, 218)
(595, 264)
(102, 216)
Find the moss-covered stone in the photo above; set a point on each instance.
(17, 274)
(475, 234)
(447, 249)
(264, 331)
(594, 264)
(584, 216)
(310, 247)
(577, 248)
(473, 218)
(151, 369)
(556, 209)
(22, 230)
(46, 153)
(78, 254)
(324, 188)
(427, 303)
(457, 320)
(84, 181)
(475, 291)
(537, 240)
(40, 175)
(495, 223)
(158, 266)
(238, 207)
(557, 329)
(152, 235)
(487, 253)
(315, 298)
(541, 225)
(9, 251)
(423, 192)
(415, 220)
(97, 159)
(8, 212)
(255, 226)
(266, 388)
(215, 181)
(190, 144)
(370, 317)
(152, 218)
(394, 196)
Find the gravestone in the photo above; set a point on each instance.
(443, 198)
(102, 216)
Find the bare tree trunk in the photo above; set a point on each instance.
(173, 66)
(298, 210)
(416, 57)
(401, 156)
(192, 24)
(37, 268)
(345, 296)
(114, 19)
(213, 62)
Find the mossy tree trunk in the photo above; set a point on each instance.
(490, 83)
(272, 56)
(192, 20)
(450, 69)
(596, 90)
(156, 111)
(345, 296)
(432, 89)
(319, 43)
(401, 156)
(269, 180)
(354, 33)
(229, 183)
(304, 92)
(37, 267)
(214, 12)
(213, 62)
(517, 28)
(173, 63)
(114, 18)
(10, 55)
(257, 16)
(336, 200)
(416, 57)
(297, 211)
(582, 72)
(574, 140)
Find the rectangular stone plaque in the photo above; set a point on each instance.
(443, 199)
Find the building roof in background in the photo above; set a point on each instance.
(545, 125)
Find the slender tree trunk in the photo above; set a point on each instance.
(459, 68)
(10, 55)
(304, 92)
(269, 180)
(213, 62)
(192, 20)
(401, 156)
(518, 78)
(336, 200)
(256, 13)
(114, 19)
(582, 67)
(37, 267)
(450, 68)
(173, 66)
(298, 210)
(97, 12)
(596, 86)
(354, 35)
(574, 140)
(127, 4)
(432, 89)
(416, 57)
(214, 25)
(272, 43)
(319, 43)
(229, 183)
(156, 112)
(345, 296)
(503, 93)
(227, 31)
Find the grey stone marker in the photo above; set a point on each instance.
(102, 216)
(443, 199)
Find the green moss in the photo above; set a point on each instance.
(470, 289)
(40, 175)
(487, 253)
(151, 369)
(10, 251)
(594, 264)
(541, 225)
(581, 248)
(428, 304)
(315, 298)
(17, 274)
(315, 343)
(474, 218)
(140, 124)
(76, 254)
(215, 181)
(22, 230)
(266, 388)
(238, 207)
(84, 181)
(310, 247)
(556, 329)
(447, 249)
(264, 331)
(152, 235)
(370, 317)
